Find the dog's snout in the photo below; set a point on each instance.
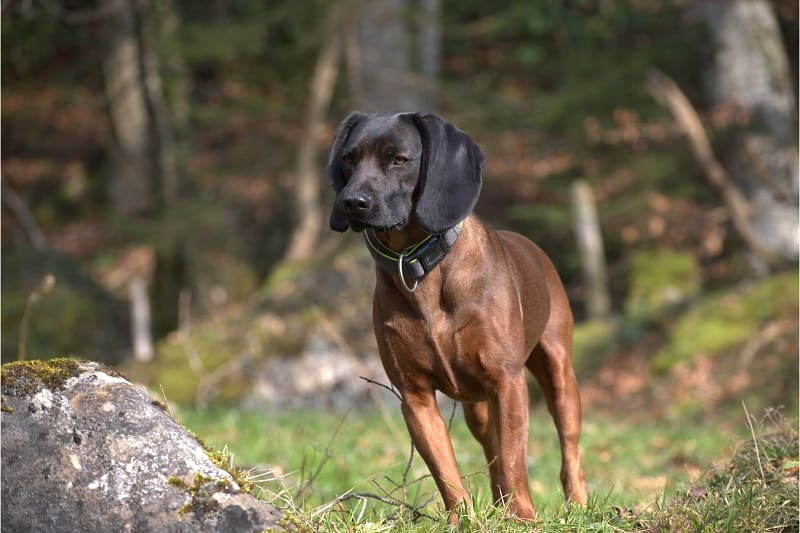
(357, 203)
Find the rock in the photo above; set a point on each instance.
(322, 376)
(83, 449)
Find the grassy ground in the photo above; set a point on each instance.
(633, 465)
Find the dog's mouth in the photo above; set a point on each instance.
(359, 226)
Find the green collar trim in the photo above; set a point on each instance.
(417, 260)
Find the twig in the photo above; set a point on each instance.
(26, 219)
(407, 470)
(166, 403)
(417, 513)
(305, 486)
(387, 387)
(755, 442)
(45, 287)
(768, 334)
(452, 416)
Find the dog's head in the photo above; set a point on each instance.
(386, 168)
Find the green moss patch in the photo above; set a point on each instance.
(24, 378)
(724, 320)
(589, 339)
(223, 461)
(660, 279)
(201, 491)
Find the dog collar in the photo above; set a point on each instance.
(413, 263)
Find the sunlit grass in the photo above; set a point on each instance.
(320, 456)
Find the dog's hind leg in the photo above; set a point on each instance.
(550, 362)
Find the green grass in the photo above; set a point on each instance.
(632, 464)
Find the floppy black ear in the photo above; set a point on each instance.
(335, 173)
(450, 174)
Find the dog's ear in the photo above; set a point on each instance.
(335, 172)
(450, 174)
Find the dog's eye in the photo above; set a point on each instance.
(347, 158)
(400, 160)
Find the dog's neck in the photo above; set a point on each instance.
(411, 253)
(399, 240)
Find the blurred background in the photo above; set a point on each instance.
(165, 203)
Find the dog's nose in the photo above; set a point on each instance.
(357, 203)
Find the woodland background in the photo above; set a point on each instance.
(164, 199)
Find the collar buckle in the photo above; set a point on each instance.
(417, 260)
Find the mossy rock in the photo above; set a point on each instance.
(82, 445)
(723, 320)
(24, 378)
(77, 316)
(659, 280)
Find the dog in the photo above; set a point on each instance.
(458, 307)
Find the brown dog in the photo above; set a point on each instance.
(458, 307)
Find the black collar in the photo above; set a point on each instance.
(417, 259)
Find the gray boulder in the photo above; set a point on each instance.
(83, 449)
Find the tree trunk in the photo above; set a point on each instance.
(141, 331)
(162, 145)
(386, 60)
(308, 214)
(158, 23)
(430, 52)
(146, 177)
(131, 186)
(750, 70)
(591, 251)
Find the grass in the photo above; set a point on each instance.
(351, 472)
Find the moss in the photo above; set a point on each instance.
(201, 491)
(4, 407)
(222, 461)
(660, 279)
(290, 522)
(25, 378)
(725, 319)
(589, 339)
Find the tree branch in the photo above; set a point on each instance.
(666, 92)
(307, 209)
(26, 219)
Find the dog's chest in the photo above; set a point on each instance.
(446, 352)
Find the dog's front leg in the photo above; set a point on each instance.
(508, 409)
(429, 434)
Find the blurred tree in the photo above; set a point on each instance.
(386, 63)
(148, 113)
(590, 247)
(164, 81)
(308, 212)
(386, 41)
(131, 183)
(750, 70)
(430, 52)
